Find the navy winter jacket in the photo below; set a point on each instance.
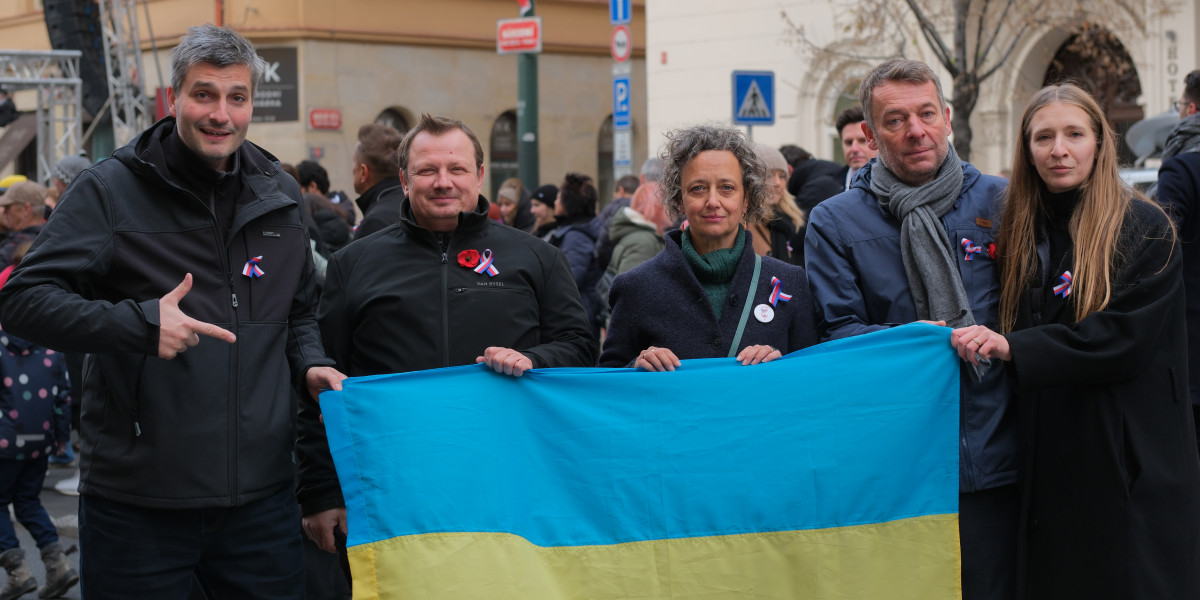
(660, 303)
(852, 255)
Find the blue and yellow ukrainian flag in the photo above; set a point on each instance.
(830, 473)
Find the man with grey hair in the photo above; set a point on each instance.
(22, 213)
(183, 270)
(911, 240)
(652, 170)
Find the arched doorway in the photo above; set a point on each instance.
(604, 163)
(396, 118)
(847, 98)
(1097, 61)
(503, 151)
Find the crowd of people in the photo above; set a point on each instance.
(215, 292)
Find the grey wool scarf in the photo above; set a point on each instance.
(928, 254)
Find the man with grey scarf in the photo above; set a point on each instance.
(911, 240)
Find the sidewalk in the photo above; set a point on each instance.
(64, 512)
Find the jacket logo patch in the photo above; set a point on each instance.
(273, 234)
(982, 222)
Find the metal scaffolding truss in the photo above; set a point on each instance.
(55, 76)
(127, 102)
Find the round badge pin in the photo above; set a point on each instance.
(764, 313)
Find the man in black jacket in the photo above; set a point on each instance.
(376, 178)
(188, 402)
(445, 287)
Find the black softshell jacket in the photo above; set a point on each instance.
(215, 425)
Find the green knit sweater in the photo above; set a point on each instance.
(714, 270)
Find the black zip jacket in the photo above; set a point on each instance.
(215, 425)
(380, 206)
(400, 301)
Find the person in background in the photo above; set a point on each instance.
(314, 179)
(513, 202)
(622, 196)
(910, 241)
(376, 178)
(22, 210)
(573, 211)
(6, 183)
(36, 398)
(694, 299)
(541, 206)
(774, 236)
(637, 233)
(856, 147)
(1092, 328)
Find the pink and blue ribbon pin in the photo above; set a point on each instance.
(970, 248)
(777, 291)
(486, 265)
(1063, 289)
(252, 269)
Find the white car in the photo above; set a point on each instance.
(1141, 178)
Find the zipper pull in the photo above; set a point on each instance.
(235, 304)
(137, 429)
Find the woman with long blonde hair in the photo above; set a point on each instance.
(1092, 329)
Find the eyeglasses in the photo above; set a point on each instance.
(1178, 105)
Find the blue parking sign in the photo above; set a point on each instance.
(754, 97)
(621, 118)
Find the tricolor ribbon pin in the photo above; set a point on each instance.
(970, 248)
(1063, 289)
(252, 269)
(485, 264)
(777, 291)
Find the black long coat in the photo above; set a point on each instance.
(1110, 476)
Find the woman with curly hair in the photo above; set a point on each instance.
(1092, 329)
(707, 294)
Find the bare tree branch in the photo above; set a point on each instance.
(977, 57)
(985, 48)
(929, 31)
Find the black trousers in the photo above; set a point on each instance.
(987, 529)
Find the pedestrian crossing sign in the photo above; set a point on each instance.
(754, 97)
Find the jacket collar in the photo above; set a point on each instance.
(145, 156)
(371, 196)
(468, 222)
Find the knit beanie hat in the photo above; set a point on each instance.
(772, 157)
(70, 166)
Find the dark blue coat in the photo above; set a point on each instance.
(852, 255)
(34, 399)
(1179, 194)
(661, 303)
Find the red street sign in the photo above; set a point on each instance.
(621, 43)
(324, 118)
(519, 35)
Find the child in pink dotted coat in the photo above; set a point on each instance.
(35, 421)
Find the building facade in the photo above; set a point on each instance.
(338, 65)
(820, 50)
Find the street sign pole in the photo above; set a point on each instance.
(753, 99)
(621, 45)
(527, 115)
